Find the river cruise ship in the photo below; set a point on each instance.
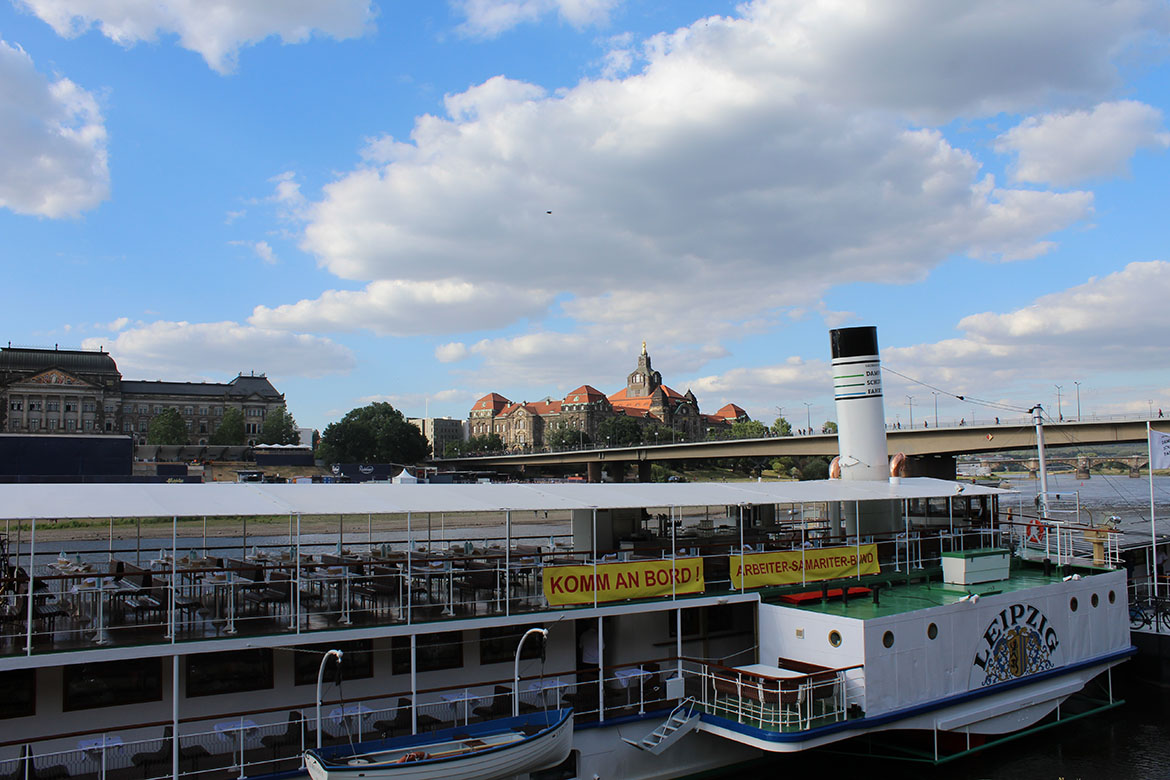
(689, 626)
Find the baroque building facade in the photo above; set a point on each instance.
(66, 391)
(644, 398)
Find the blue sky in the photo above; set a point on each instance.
(354, 196)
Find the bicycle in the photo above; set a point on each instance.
(1155, 614)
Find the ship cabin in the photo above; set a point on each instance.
(183, 630)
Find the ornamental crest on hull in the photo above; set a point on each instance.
(1018, 642)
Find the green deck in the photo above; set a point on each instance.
(925, 589)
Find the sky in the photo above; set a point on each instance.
(422, 203)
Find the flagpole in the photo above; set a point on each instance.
(1153, 534)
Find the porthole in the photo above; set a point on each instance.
(1094, 601)
(1112, 597)
(835, 638)
(888, 639)
(1072, 604)
(932, 631)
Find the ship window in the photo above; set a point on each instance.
(723, 620)
(111, 682)
(888, 639)
(932, 631)
(835, 638)
(434, 652)
(1112, 597)
(210, 674)
(497, 645)
(357, 661)
(1072, 604)
(1094, 601)
(20, 693)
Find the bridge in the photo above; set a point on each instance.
(930, 451)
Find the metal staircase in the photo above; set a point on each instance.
(682, 721)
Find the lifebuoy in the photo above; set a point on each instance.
(1036, 532)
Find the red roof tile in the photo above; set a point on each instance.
(491, 401)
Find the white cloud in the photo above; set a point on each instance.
(404, 308)
(175, 350)
(759, 160)
(489, 18)
(452, 352)
(53, 160)
(1065, 148)
(416, 404)
(260, 248)
(215, 29)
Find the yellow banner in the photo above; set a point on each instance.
(617, 581)
(786, 568)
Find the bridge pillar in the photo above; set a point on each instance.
(937, 466)
(1082, 468)
(593, 471)
(643, 471)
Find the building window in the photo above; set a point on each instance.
(203, 426)
(34, 406)
(142, 426)
(158, 409)
(14, 425)
(188, 410)
(210, 674)
(53, 406)
(188, 422)
(88, 406)
(357, 661)
(218, 411)
(203, 411)
(433, 652)
(127, 426)
(250, 428)
(20, 693)
(110, 426)
(144, 409)
(110, 683)
(110, 408)
(70, 406)
(70, 425)
(52, 423)
(89, 425)
(16, 406)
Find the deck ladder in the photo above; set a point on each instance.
(681, 722)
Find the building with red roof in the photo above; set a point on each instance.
(644, 398)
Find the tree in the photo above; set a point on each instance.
(782, 427)
(279, 428)
(748, 429)
(829, 427)
(564, 437)
(230, 430)
(814, 467)
(377, 433)
(658, 434)
(476, 445)
(619, 431)
(167, 427)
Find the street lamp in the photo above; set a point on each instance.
(1059, 414)
(935, 394)
(808, 415)
(910, 401)
(1078, 384)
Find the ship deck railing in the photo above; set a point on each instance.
(195, 590)
(1063, 542)
(788, 697)
(259, 741)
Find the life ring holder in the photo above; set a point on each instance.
(1037, 532)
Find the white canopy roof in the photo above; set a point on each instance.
(70, 501)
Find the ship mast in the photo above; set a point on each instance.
(1038, 418)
